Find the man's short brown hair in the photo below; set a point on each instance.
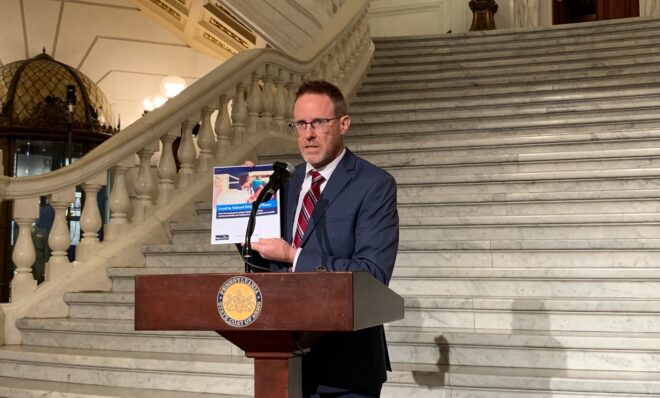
(323, 87)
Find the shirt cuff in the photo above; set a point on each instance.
(295, 259)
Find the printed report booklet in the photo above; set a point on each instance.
(234, 190)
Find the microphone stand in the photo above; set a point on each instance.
(252, 221)
(280, 174)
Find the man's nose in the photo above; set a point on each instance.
(309, 132)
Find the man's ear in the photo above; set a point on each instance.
(345, 123)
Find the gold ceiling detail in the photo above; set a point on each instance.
(206, 26)
(169, 10)
(228, 32)
(219, 43)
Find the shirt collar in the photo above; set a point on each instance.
(327, 170)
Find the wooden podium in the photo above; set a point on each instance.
(273, 317)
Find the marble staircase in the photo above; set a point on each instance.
(529, 178)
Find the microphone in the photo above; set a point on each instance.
(282, 172)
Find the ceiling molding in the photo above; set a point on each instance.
(206, 27)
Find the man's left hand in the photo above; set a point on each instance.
(275, 249)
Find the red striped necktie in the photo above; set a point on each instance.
(309, 201)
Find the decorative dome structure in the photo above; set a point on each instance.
(33, 97)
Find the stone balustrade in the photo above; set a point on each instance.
(251, 96)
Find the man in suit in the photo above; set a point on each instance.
(352, 225)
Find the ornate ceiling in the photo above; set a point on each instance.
(206, 26)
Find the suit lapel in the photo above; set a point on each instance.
(342, 175)
(293, 194)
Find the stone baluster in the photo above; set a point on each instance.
(358, 37)
(206, 142)
(120, 202)
(352, 47)
(144, 183)
(167, 167)
(59, 238)
(291, 89)
(364, 32)
(267, 101)
(332, 69)
(223, 128)
(26, 211)
(280, 103)
(318, 71)
(186, 155)
(239, 114)
(90, 218)
(340, 59)
(254, 106)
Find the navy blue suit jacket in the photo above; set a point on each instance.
(354, 227)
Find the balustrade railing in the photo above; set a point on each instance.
(253, 95)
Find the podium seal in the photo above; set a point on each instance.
(239, 301)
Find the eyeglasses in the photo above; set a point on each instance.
(318, 125)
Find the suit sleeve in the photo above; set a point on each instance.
(374, 229)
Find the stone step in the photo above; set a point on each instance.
(390, 125)
(517, 306)
(540, 314)
(530, 92)
(618, 219)
(453, 165)
(403, 380)
(522, 144)
(529, 37)
(425, 229)
(123, 279)
(218, 258)
(520, 80)
(525, 100)
(566, 231)
(434, 66)
(523, 253)
(411, 53)
(527, 247)
(562, 350)
(560, 185)
(150, 370)
(505, 382)
(591, 284)
(370, 136)
(465, 76)
(531, 143)
(101, 305)
(118, 335)
(409, 207)
(579, 253)
(425, 113)
(26, 388)
(573, 207)
(409, 155)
